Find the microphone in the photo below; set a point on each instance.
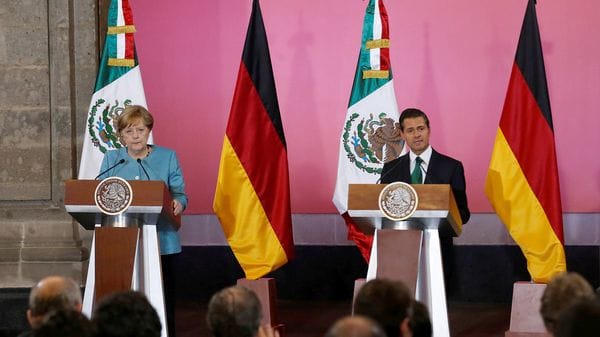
(387, 173)
(139, 161)
(424, 171)
(110, 168)
(428, 177)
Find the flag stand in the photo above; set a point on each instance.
(358, 284)
(525, 317)
(265, 290)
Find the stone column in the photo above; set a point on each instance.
(48, 61)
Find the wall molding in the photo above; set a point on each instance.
(581, 229)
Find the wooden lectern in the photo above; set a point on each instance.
(409, 250)
(125, 253)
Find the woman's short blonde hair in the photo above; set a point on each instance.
(132, 114)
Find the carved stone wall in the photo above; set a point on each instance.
(48, 63)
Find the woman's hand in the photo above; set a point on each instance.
(177, 207)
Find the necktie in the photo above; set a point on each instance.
(416, 176)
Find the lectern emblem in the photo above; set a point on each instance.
(398, 201)
(113, 195)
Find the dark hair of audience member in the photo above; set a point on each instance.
(582, 319)
(384, 301)
(418, 320)
(562, 291)
(126, 314)
(234, 312)
(65, 323)
(355, 326)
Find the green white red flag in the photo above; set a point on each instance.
(118, 84)
(371, 133)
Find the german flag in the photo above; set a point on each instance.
(252, 198)
(522, 181)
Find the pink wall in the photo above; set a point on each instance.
(450, 58)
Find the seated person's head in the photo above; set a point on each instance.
(581, 319)
(50, 294)
(355, 326)
(234, 312)
(418, 320)
(562, 291)
(64, 323)
(126, 314)
(386, 302)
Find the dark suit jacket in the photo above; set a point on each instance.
(441, 170)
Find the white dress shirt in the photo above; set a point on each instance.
(425, 156)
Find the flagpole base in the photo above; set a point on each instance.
(265, 290)
(525, 317)
(358, 284)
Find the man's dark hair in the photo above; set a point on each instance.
(386, 302)
(412, 113)
(65, 323)
(234, 312)
(582, 319)
(418, 320)
(126, 314)
(562, 291)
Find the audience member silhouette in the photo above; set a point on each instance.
(51, 294)
(563, 290)
(581, 319)
(387, 303)
(236, 312)
(355, 326)
(126, 314)
(419, 323)
(65, 323)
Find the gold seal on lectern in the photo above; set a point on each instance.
(398, 201)
(113, 195)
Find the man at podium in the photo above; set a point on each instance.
(138, 160)
(424, 165)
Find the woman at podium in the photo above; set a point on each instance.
(138, 160)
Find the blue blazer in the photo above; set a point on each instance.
(160, 164)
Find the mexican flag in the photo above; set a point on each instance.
(371, 133)
(118, 84)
